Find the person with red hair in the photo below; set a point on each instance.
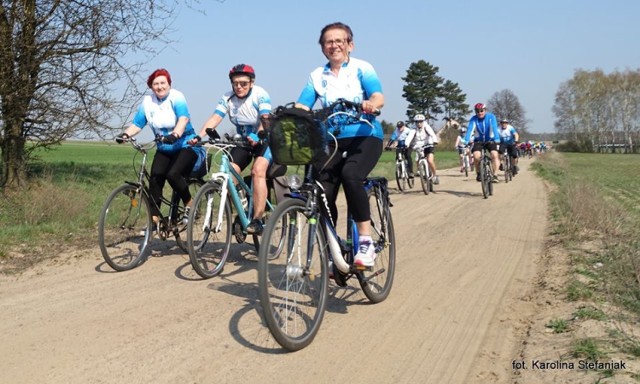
(165, 111)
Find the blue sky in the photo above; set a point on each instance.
(485, 46)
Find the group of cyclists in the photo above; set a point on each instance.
(481, 133)
(248, 107)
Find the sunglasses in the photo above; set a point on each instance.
(242, 84)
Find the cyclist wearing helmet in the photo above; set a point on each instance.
(165, 111)
(463, 150)
(426, 138)
(403, 135)
(355, 80)
(246, 104)
(484, 127)
(508, 141)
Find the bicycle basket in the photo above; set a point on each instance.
(294, 137)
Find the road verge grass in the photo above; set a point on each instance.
(594, 211)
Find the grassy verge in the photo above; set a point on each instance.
(595, 211)
(68, 187)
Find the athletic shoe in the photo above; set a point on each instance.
(495, 179)
(436, 179)
(411, 175)
(461, 169)
(185, 218)
(366, 255)
(255, 227)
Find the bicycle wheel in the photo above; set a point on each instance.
(208, 232)
(293, 285)
(400, 177)
(484, 180)
(424, 177)
(506, 166)
(466, 166)
(410, 180)
(179, 228)
(124, 227)
(489, 177)
(376, 284)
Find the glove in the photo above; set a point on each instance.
(169, 139)
(121, 138)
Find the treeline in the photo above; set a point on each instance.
(598, 112)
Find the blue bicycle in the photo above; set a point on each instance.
(293, 279)
(210, 225)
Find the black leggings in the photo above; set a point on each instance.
(174, 167)
(362, 156)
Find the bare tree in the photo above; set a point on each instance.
(60, 61)
(505, 105)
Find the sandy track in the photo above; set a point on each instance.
(454, 315)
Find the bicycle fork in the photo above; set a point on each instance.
(223, 200)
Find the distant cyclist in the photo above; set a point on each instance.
(461, 147)
(426, 138)
(484, 127)
(508, 143)
(403, 135)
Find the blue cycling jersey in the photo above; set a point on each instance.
(162, 116)
(356, 82)
(507, 135)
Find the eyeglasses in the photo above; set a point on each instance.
(338, 42)
(242, 84)
(480, 110)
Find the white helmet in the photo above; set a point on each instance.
(418, 117)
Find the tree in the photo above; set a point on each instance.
(598, 111)
(453, 101)
(60, 61)
(422, 90)
(505, 104)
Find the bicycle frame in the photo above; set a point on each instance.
(142, 185)
(225, 177)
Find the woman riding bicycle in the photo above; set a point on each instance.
(354, 80)
(426, 139)
(403, 135)
(463, 150)
(246, 104)
(166, 112)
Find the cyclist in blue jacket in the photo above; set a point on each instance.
(484, 127)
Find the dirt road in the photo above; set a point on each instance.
(454, 314)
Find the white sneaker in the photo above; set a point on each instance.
(366, 255)
(436, 180)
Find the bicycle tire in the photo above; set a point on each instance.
(466, 165)
(123, 228)
(400, 178)
(424, 178)
(208, 251)
(410, 180)
(376, 284)
(484, 179)
(293, 295)
(489, 178)
(179, 228)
